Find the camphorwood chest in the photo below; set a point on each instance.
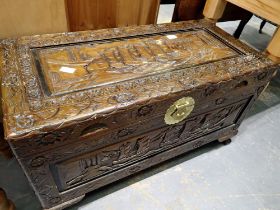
(82, 110)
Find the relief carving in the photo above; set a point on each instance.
(38, 161)
(210, 90)
(95, 63)
(198, 144)
(145, 110)
(124, 132)
(53, 137)
(11, 80)
(55, 200)
(220, 101)
(23, 95)
(29, 96)
(113, 157)
(121, 98)
(143, 145)
(24, 121)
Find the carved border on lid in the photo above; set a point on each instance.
(28, 112)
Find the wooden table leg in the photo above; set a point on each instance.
(5, 203)
(273, 48)
(214, 9)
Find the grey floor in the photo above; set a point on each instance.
(244, 175)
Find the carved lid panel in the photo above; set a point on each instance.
(79, 66)
(58, 80)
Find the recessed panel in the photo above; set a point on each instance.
(86, 65)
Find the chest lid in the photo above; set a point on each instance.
(55, 80)
(79, 66)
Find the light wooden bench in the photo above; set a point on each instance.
(267, 9)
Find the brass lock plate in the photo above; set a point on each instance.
(179, 110)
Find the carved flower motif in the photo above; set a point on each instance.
(125, 132)
(210, 90)
(38, 161)
(122, 98)
(33, 92)
(52, 138)
(24, 121)
(145, 110)
(31, 82)
(11, 80)
(220, 101)
(48, 139)
(36, 105)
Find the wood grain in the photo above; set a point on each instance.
(274, 48)
(31, 17)
(214, 9)
(122, 60)
(96, 14)
(268, 9)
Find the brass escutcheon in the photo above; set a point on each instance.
(179, 111)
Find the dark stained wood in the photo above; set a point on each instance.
(188, 10)
(85, 109)
(4, 146)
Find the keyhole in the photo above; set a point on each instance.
(179, 110)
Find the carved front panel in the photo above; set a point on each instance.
(115, 127)
(79, 66)
(92, 165)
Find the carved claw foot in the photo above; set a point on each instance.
(5, 203)
(66, 204)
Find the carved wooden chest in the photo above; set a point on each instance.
(82, 110)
